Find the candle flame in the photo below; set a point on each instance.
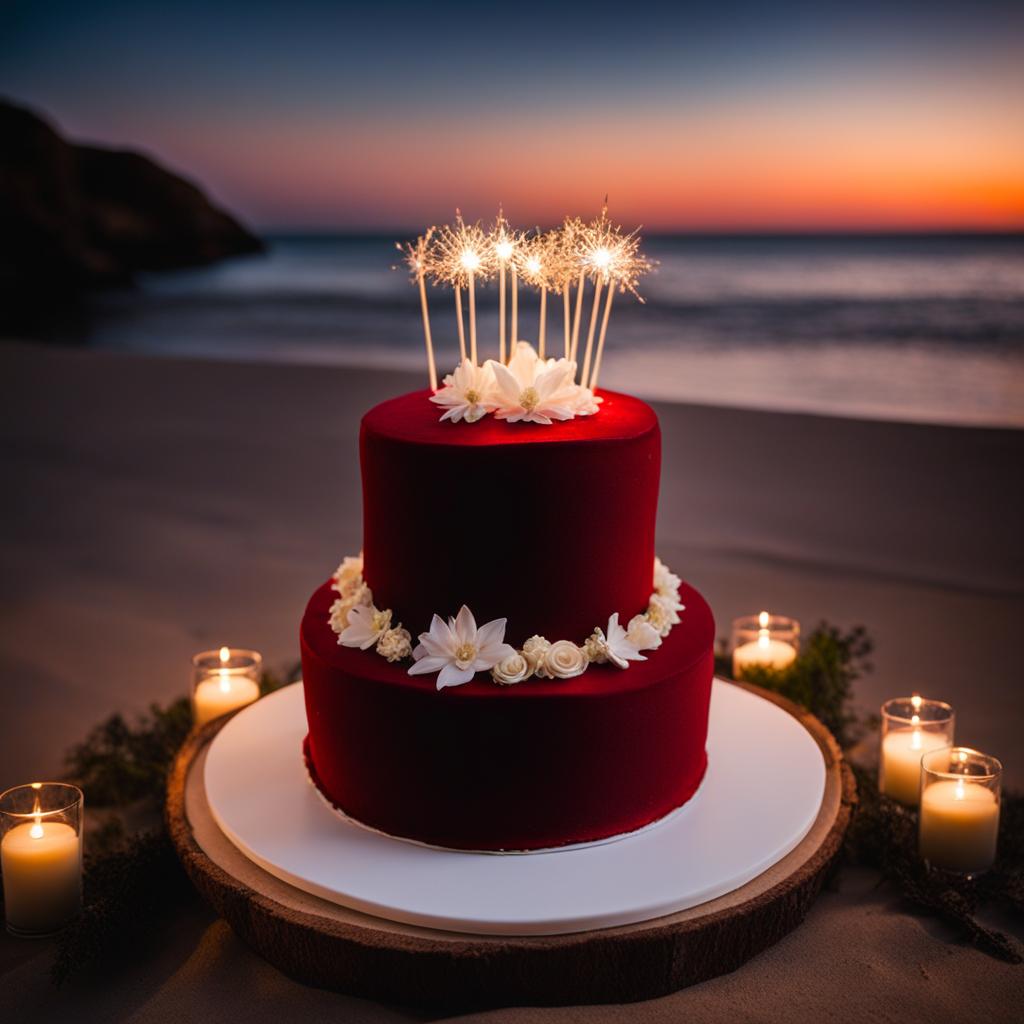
(36, 831)
(762, 620)
(916, 701)
(225, 655)
(762, 640)
(959, 793)
(962, 755)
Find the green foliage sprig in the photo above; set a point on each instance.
(131, 882)
(821, 677)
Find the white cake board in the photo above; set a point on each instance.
(762, 792)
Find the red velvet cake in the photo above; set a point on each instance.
(543, 530)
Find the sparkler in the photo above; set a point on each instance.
(626, 268)
(416, 258)
(562, 264)
(598, 243)
(461, 255)
(534, 260)
(503, 244)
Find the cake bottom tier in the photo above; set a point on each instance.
(545, 763)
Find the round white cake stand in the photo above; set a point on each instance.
(762, 793)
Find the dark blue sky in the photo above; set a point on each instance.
(406, 108)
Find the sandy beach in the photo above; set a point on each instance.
(155, 507)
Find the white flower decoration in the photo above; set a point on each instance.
(349, 574)
(642, 635)
(534, 390)
(366, 625)
(513, 669)
(666, 582)
(671, 606)
(457, 650)
(621, 651)
(534, 650)
(395, 644)
(468, 393)
(596, 647)
(360, 594)
(562, 660)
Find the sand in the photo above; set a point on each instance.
(156, 507)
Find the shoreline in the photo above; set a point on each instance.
(162, 506)
(636, 373)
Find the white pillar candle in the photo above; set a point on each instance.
(764, 652)
(959, 825)
(902, 751)
(222, 693)
(42, 869)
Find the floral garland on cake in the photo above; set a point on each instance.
(526, 390)
(458, 649)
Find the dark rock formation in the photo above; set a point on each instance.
(74, 217)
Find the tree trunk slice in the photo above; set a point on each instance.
(320, 943)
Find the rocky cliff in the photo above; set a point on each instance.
(74, 217)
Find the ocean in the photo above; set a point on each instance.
(920, 328)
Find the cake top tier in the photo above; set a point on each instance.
(411, 419)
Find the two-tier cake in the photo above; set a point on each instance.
(507, 666)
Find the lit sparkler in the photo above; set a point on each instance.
(535, 261)
(503, 244)
(624, 270)
(416, 257)
(461, 257)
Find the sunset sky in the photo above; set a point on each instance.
(733, 117)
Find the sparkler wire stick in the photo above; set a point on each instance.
(515, 313)
(600, 341)
(565, 303)
(431, 367)
(501, 312)
(590, 331)
(472, 319)
(576, 319)
(462, 326)
(543, 320)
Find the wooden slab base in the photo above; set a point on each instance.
(322, 944)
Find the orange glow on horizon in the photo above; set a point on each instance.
(926, 157)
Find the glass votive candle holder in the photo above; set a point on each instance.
(911, 726)
(41, 856)
(222, 681)
(763, 641)
(959, 822)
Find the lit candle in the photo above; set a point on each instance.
(226, 687)
(912, 727)
(764, 651)
(41, 860)
(959, 822)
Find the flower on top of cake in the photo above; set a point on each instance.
(528, 389)
(524, 385)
